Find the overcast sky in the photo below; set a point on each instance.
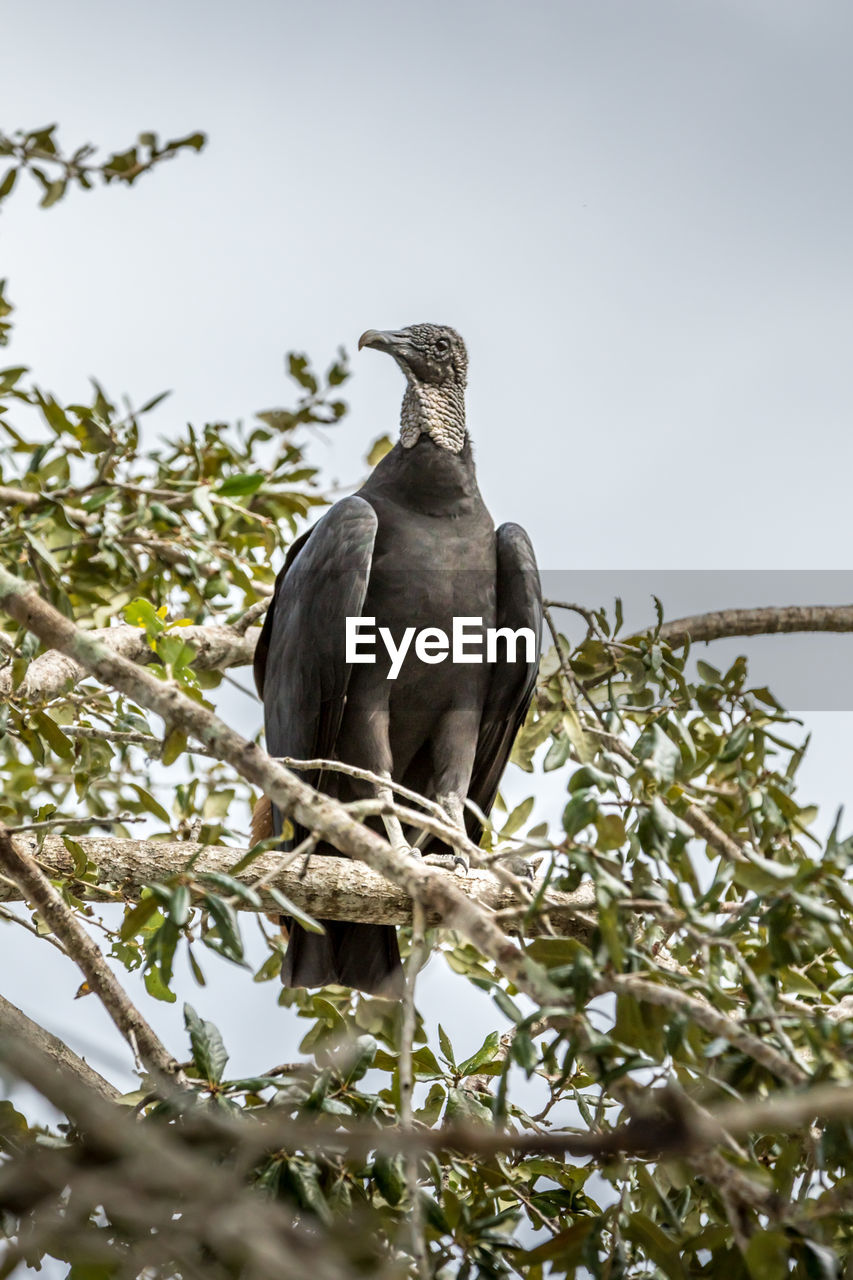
(638, 214)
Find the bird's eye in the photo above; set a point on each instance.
(441, 347)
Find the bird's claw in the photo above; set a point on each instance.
(449, 862)
(521, 868)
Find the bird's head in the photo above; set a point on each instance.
(435, 363)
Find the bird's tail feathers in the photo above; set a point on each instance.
(363, 956)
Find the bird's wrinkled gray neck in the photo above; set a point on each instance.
(437, 412)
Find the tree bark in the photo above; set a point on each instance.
(330, 888)
(18, 1026)
(53, 672)
(19, 866)
(772, 620)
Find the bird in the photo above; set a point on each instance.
(414, 547)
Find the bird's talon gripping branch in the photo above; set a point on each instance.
(449, 862)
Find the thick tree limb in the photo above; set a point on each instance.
(19, 1027)
(719, 624)
(53, 672)
(770, 620)
(660, 1123)
(332, 888)
(19, 866)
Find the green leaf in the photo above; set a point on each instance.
(290, 908)
(53, 735)
(231, 885)
(425, 1063)
(174, 744)
(156, 987)
(78, 853)
(486, 1053)
(767, 1256)
(517, 818)
(581, 810)
(194, 141)
(240, 486)
(298, 368)
(463, 1106)
(152, 805)
(389, 1174)
(141, 613)
(8, 182)
(209, 1052)
(640, 1230)
(564, 1247)
(54, 192)
(180, 905)
(659, 752)
(446, 1046)
(302, 1178)
(735, 743)
(228, 927)
(557, 754)
(433, 1106)
(138, 917)
(611, 831)
(378, 450)
(201, 502)
(507, 1006)
(154, 401)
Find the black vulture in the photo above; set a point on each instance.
(414, 548)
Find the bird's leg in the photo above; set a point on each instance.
(393, 827)
(458, 860)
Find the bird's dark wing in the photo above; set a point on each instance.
(262, 648)
(519, 604)
(301, 668)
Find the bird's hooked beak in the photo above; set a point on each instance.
(394, 343)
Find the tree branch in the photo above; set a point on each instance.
(178, 1201)
(53, 672)
(16, 1024)
(770, 620)
(37, 889)
(719, 624)
(707, 1017)
(332, 888)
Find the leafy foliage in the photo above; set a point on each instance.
(716, 965)
(37, 152)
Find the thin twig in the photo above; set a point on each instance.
(417, 958)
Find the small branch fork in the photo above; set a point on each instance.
(37, 889)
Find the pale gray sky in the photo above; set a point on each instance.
(639, 214)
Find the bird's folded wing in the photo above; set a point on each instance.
(519, 604)
(301, 668)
